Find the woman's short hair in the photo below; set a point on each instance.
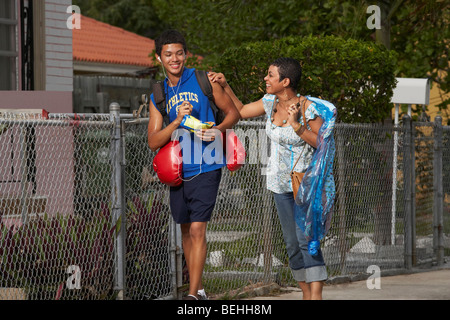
(289, 68)
(169, 37)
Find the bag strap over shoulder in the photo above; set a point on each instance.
(206, 87)
(160, 100)
(204, 83)
(303, 102)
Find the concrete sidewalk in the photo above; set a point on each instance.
(423, 285)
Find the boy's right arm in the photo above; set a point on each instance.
(156, 135)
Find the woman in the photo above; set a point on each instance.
(290, 137)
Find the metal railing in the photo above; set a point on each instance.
(83, 215)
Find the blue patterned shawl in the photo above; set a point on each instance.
(315, 197)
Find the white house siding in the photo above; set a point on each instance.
(58, 46)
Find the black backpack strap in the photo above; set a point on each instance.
(206, 87)
(160, 100)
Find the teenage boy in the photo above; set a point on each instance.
(193, 201)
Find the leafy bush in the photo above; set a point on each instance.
(37, 256)
(147, 242)
(358, 77)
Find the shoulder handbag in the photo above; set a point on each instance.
(297, 177)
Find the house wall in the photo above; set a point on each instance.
(58, 46)
(436, 97)
(53, 92)
(53, 62)
(52, 101)
(54, 175)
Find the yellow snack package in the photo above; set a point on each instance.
(192, 124)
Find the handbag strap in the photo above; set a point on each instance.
(304, 120)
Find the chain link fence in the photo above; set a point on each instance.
(83, 215)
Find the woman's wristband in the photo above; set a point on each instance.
(300, 129)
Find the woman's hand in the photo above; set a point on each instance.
(218, 77)
(293, 115)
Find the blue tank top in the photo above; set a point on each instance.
(198, 156)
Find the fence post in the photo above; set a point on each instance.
(267, 241)
(438, 203)
(118, 197)
(413, 195)
(408, 154)
(176, 259)
(341, 200)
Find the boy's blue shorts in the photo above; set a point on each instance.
(194, 200)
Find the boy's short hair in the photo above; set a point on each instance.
(168, 37)
(289, 68)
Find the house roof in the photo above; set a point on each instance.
(102, 43)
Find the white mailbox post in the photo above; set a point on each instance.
(408, 91)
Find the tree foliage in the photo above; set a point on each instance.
(138, 16)
(416, 29)
(358, 77)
